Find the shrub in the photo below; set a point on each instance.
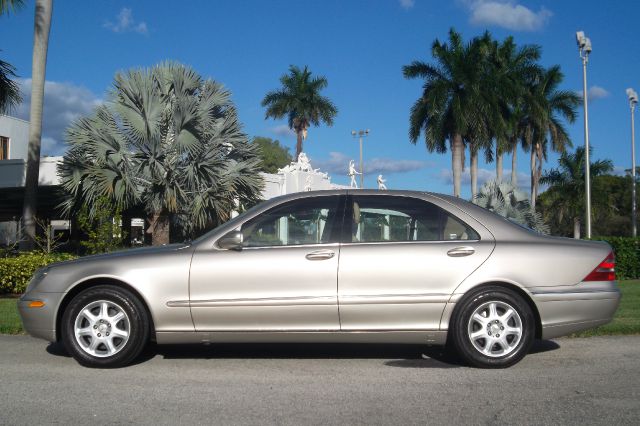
(15, 272)
(627, 251)
(102, 228)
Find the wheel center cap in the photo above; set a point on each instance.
(102, 328)
(494, 328)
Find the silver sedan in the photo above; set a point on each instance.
(333, 266)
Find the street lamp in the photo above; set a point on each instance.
(633, 100)
(584, 48)
(361, 134)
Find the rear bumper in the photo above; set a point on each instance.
(566, 312)
(40, 322)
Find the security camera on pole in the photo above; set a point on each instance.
(584, 48)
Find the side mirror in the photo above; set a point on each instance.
(231, 241)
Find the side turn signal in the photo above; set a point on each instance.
(36, 304)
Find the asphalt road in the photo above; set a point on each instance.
(567, 381)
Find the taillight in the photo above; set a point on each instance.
(605, 271)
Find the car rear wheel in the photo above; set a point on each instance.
(105, 327)
(493, 328)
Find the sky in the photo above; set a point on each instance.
(359, 46)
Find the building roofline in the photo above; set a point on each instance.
(14, 118)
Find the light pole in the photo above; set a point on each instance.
(584, 48)
(361, 134)
(633, 100)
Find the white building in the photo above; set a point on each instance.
(14, 136)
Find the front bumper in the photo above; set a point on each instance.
(40, 322)
(568, 312)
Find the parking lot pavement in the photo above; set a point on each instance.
(567, 381)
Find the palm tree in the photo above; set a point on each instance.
(9, 90)
(545, 107)
(7, 6)
(452, 101)
(42, 26)
(567, 185)
(300, 101)
(512, 68)
(168, 141)
(506, 200)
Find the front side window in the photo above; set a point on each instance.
(396, 219)
(306, 221)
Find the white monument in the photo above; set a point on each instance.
(298, 176)
(352, 174)
(381, 183)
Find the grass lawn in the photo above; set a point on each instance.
(627, 318)
(9, 319)
(625, 321)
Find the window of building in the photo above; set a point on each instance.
(4, 148)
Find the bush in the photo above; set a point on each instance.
(627, 251)
(15, 272)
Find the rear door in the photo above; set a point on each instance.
(401, 259)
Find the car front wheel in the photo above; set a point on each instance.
(105, 327)
(493, 328)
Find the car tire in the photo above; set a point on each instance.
(493, 328)
(105, 327)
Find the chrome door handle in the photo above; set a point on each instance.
(320, 255)
(460, 251)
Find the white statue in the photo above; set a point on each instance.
(308, 183)
(303, 163)
(381, 185)
(352, 174)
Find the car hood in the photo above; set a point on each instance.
(142, 251)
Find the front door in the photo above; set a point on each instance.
(283, 278)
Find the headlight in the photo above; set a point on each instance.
(38, 276)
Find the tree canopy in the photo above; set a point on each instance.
(299, 100)
(564, 200)
(273, 155)
(487, 96)
(168, 141)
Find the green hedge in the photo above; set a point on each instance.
(627, 251)
(15, 272)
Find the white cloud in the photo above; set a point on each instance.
(507, 14)
(594, 93)
(283, 131)
(338, 163)
(484, 175)
(125, 23)
(63, 103)
(597, 92)
(407, 4)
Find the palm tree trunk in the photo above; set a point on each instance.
(499, 156)
(533, 176)
(159, 228)
(42, 25)
(457, 150)
(514, 163)
(298, 143)
(473, 169)
(540, 159)
(576, 227)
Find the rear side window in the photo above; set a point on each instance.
(397, 219)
